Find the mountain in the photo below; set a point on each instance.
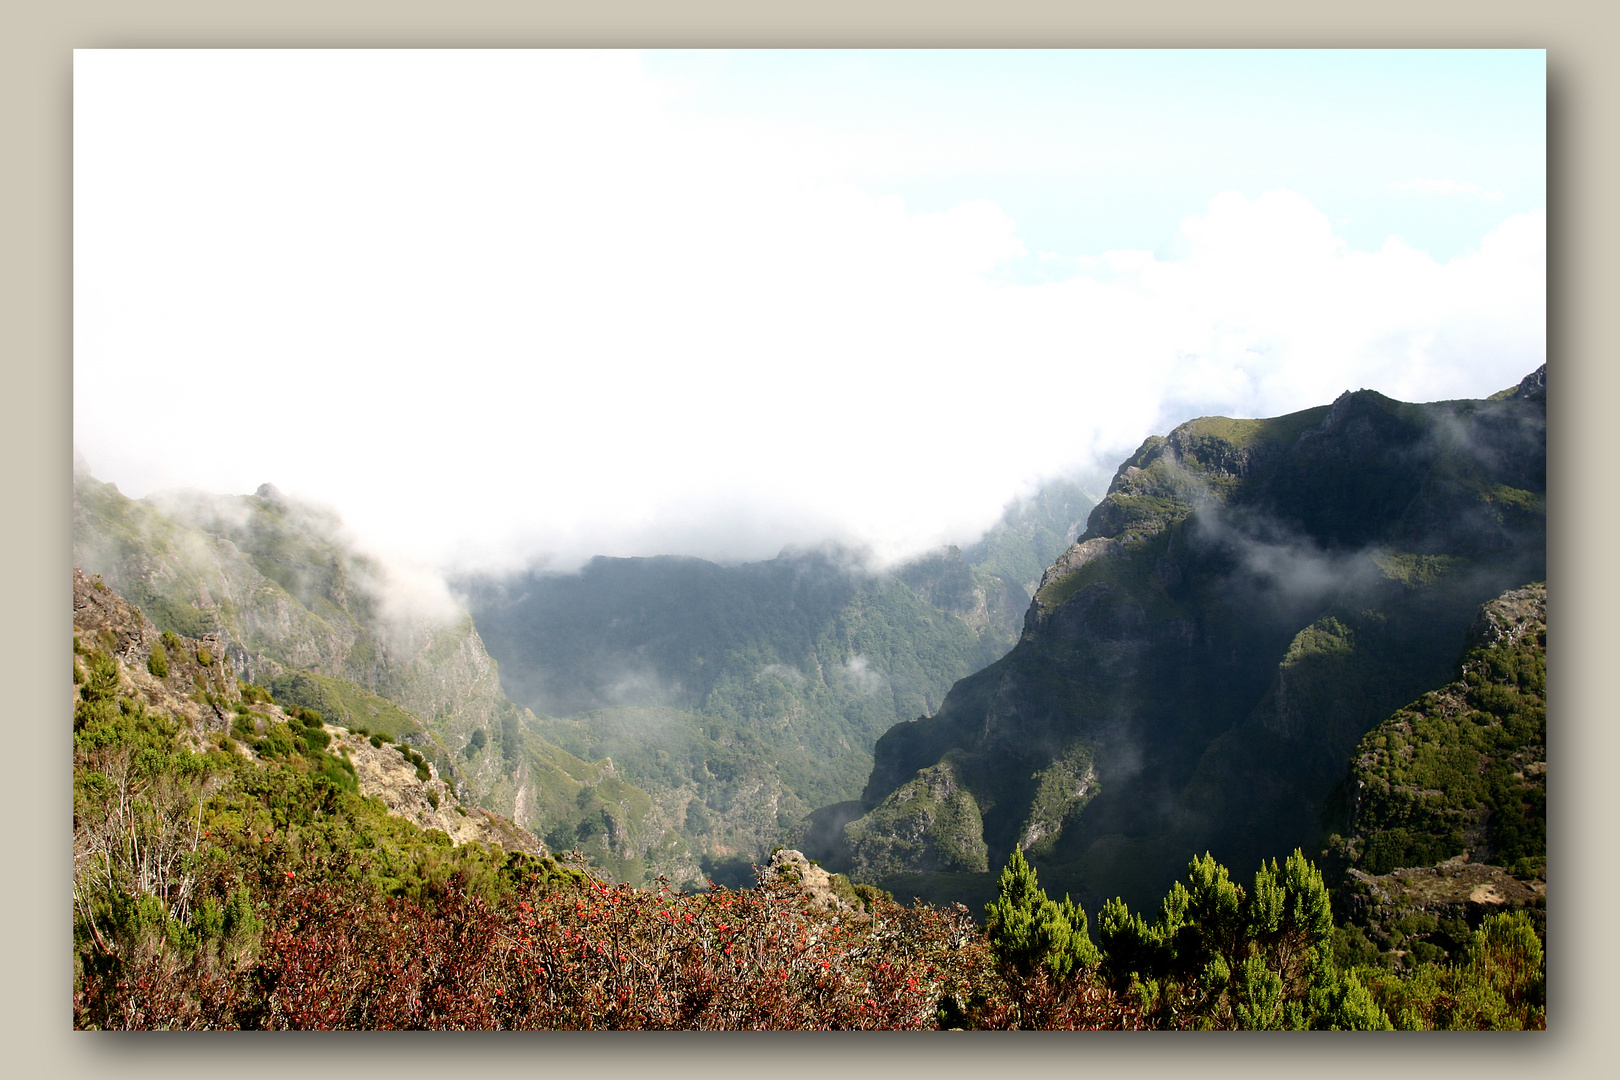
(742, 696)
(279, 590)
(1249, 599)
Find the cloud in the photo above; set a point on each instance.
(536, 313)
(1466, 189)
(783, 671)
(857, 669)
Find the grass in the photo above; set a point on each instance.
(1242, 433)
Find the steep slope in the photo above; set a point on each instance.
(187, 681)
(292, 606)
(742, 696)
(1247, 601)
(1441, 818)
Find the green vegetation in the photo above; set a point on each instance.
(1029, 931)
(1262, 594)
(1062, 791)
(1241, 434)
(930, 824)
(158, 662)
(1501, 985)
(1220, 956)
(278, 581)
(1462, 768)
(216, 890)
(1414, 570)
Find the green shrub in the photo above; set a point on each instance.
(277, 742)
(253, 693)
(1028, 931)
(204, 657)
(158, 662)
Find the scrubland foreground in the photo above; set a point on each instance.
(231, 871)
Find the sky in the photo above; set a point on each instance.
(522, 308)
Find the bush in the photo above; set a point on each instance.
(258, 695)
(1220, 956)
(158, 662)
(1029, 932)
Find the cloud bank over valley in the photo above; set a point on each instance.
(526, 308)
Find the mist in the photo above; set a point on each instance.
(498, 332)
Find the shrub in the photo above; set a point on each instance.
(258, 695)
(1029, 932)
(1220, 956)
(277, 742)
(158, 662)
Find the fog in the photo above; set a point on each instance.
(503, 310)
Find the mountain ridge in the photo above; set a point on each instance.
(1247, 600)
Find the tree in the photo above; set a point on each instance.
(1028, 930)
(1220, 956)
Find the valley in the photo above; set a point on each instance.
(1313, 644)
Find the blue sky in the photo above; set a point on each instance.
(1092, 150)
(504, 306)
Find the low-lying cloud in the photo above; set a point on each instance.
(492, 347)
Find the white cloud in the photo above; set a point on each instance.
(518, 309)
(1465, 188)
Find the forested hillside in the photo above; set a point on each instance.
(741, 697)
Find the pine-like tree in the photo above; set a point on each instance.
(1027, 929)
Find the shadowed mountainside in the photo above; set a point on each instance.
(1248, 600)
